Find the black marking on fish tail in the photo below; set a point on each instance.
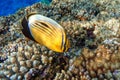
(65, 44)
(26, 30)
(62, 42)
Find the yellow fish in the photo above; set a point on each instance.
(46, 32)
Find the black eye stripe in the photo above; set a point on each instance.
(26, 30)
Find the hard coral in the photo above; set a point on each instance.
(94, 54)
(98, 62)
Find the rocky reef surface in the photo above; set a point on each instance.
(93, 28)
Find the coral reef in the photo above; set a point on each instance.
(98, 63)
(93, 28)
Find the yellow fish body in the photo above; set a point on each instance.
(45, 31)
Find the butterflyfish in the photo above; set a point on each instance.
(45, 31)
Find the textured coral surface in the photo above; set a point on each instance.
(93, 28)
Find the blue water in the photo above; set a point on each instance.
(8, 7)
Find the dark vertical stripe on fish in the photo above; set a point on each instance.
(41, 27)
(26, 30)
(47, 28)
(65, 44)
(62, 47)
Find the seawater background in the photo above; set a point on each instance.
(8, 7)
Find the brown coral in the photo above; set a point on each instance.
(101, 62)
